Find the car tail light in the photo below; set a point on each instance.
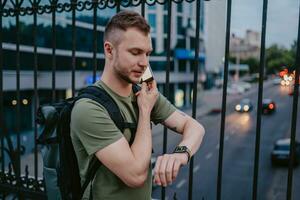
(271, 106)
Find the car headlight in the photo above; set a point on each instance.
(238, 107)
(246, 108)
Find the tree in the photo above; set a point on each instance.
(278, 58)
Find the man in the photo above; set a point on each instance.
(125, 173)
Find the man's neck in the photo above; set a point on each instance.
(119, 86)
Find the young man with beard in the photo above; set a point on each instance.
(126, 171)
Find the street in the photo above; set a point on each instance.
(239, 150)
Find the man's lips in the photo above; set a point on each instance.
(139, 73)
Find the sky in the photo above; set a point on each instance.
(282, 19)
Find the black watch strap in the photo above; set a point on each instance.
(183, 149)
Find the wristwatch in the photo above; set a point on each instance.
(183, 149)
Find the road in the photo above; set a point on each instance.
(239, 150)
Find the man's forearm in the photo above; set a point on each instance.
(142, 145)
(193, 133)
(168, 165)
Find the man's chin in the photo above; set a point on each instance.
(132, 80)
(135, 80)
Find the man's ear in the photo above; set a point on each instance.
(108, 49)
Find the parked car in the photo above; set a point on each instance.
(268, 106)
(281, 152)
(245, 105)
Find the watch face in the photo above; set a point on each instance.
(183, 149)
(180, 148)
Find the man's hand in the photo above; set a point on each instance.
(167, 167)
(147, 96)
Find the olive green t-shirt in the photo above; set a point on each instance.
(92, 129)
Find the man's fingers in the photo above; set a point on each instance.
(166, 169)
(152, 85)
(162, 171)
(144, 87)
(156, 171)
(169, 170)
(176, 168)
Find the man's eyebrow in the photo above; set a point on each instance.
(139, 49)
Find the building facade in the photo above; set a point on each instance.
(246, 47)
(182, 55)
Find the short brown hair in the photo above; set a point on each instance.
(124, 20)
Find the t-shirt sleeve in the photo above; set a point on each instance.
(91, 123)
(161, 110)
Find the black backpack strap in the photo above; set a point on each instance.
(102, 97)
(91, 172)
(132, 127)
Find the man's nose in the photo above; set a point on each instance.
(144, 60)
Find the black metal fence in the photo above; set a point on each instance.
(22, 185)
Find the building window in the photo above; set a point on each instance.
(166, 21)
(193, 43)
(202, 16)
(182, 65)
(180, 29)
(153, 43)
(165, 44)
(152, 22)
(180, 43)
(165, 6)
(179, 7)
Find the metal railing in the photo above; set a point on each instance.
(12, 181)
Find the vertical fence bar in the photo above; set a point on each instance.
(259, 100)
(53, 10)
(95, 5)
(294, 118)
(194, 110)
(118, 5)
(1, 95)
(143, 8)
(74, 2)
(167, 85)
(34, 32)
(18, 159)
(224, 99)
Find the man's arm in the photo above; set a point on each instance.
(167, 165)
(131, 164)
